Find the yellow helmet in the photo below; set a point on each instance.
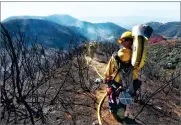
(126, 34)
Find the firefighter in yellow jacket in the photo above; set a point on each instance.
(124, 54)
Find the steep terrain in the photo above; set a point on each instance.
(164, 107)
(161, 110)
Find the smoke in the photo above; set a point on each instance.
(106, 35)
(78, 24)
(94, 33)
(91, 30)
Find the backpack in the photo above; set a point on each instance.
(125, 71)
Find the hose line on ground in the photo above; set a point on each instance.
(99, 109)
(102, 100)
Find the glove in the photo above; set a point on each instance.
(108, 79)
(109, 91)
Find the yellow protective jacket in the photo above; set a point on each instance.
(112, 67)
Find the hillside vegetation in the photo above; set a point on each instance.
(163, 60)
(166, 54)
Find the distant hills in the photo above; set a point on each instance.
(163, 31)
(57, 30)
(60, 19)
(49, 29)
(167, 30)
(92, 31)
(48, 33)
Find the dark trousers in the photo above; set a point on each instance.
(136, 84)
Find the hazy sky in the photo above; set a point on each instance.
(97, 11)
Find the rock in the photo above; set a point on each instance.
(170, 66)
(53, 112)
(45, 110)
(57, 118)
(95, 122)
(158, 107)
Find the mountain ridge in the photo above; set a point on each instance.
(49, 33)
(106, 31)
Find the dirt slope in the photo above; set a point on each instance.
(162, 110)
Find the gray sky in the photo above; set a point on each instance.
(97, 11)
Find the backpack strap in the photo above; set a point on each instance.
(125, 70)
(121, 65)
